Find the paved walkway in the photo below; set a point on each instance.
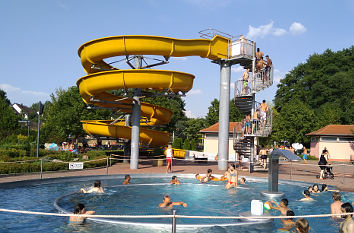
(299, 172)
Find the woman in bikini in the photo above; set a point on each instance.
(232, 177)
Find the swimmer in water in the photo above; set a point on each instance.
(315, 189)
(126, 179)
(174, 180)
(205, 178)
(232, 177)
(95, 189)
(167, 203)
(79, 210)
(307, 197)
(325, 189)
(282, 207)
(243, 180)
(288, 223)
(302, 225)
(336, 205)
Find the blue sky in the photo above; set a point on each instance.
(40, 38)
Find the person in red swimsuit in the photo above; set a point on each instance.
(232, 177)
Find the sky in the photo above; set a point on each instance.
(40, 38)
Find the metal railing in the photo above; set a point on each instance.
(243, 48)
(263, 79)
(242, 88)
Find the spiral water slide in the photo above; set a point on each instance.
(102, 78)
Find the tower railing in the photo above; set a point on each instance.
(263, 79)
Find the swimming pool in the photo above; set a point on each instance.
(143, 197)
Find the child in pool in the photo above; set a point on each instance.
(282, 207)
(307, 197)
(126, 179)
(174, 180)
(95, 189)
(79, 210)
(167, 203)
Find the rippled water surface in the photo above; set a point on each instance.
(143, 197)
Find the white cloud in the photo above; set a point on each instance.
(194, 92)
(232, 85)
(189, 114)
(279, 32)
(27, 97)
(269, 29)
(261, 31)
(238, 69)
(297, 28)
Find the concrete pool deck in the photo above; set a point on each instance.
(300, 172)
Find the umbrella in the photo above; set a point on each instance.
(53, 146)
(287, 154)
(297, 146)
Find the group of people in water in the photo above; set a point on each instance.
(301, 225)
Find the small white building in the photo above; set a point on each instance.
(211, 140)
(338, 139)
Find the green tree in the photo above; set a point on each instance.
(213, 113)
(177, 143)
(193, 145)
(186, 145)
(63, 114)
(294, 121)
(192, 128)
(8, 119)
(324, 78)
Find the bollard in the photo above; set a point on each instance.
(174, 221)
(41, 167)
(107, 166)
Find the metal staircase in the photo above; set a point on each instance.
(244, 97)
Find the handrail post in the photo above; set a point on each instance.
(343, 173)
(107, 165)
(41, 167)
(174, 221)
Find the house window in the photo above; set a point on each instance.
(314, 139)
(348, 139)
(328, 139)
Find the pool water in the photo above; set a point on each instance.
(142, 198)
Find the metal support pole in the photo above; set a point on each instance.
(136, 111)
(41, 167)
(343, 173)
(224, 105)
(291, 169)
(107, 165)
(39, 122)
(174, 221)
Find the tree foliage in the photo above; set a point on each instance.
(315, 94)
(63, 114)
(323, 79)
(213, 113)
(294, 121)
(8, 119)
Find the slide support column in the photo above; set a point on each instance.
(224, 106)
(136, 112)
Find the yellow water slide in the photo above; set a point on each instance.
(102, 78)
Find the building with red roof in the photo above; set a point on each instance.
(338, 139)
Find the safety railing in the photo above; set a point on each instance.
(243, 48)
(247, 220)
(242, 88)
(263, 79)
